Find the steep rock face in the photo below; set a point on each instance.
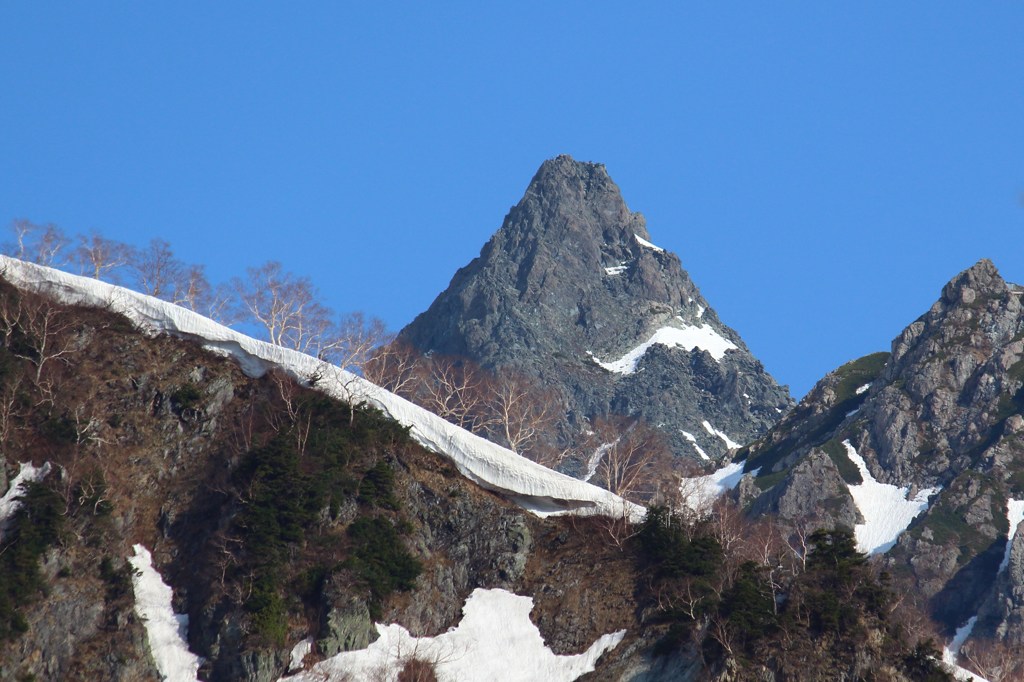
(570, 281)
(1002, 614)
(942, 410)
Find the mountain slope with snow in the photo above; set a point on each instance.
(533, 486)
(920, 450)
(571, 293)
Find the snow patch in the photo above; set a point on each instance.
(166, 631)
(299, 653)
(686, 337)
(700, 492)
(616, 269)
(700, 311)
(729, 442)
(862, 389)
(643, 242)
(886, 510)
(535, 487)
(693, 441)
(11, 500)
(494, 641)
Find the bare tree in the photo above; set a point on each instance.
(636, 456)
(43, 244)
(285, 306)
(45, 332)
(799, 544)
(194, 291)
(10, 410)
(455, 390)
(351, 342)
(397, 367)
(521, 412)
(158, 272)
(101, 258)
(996, 661)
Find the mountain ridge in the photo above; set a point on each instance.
(941, 411)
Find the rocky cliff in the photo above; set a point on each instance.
(571, 291)
(940, 418)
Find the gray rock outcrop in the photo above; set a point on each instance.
(569, 286)
(942, 410)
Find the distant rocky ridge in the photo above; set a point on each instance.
(571, 291)
(942, 410)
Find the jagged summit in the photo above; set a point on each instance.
(571, 290)
(584, 191)
(982, 277)
(942, 412)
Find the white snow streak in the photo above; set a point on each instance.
(886, 510)
(616, 269)
(951, 652)
(1015, 515)
(862, 389)
(527, 483)
(595, 459)
(693, 441)
(11, 500)
(165, 630)
(643, 242)
(729, 442)
(494, 641)
(686, 337)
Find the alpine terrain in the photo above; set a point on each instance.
(921, 451)
(572, 292)
(180, 501)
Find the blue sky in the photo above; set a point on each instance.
(820, 170)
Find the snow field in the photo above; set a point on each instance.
(886, 510)
(166, 631)
(686, 337)
(496, 640)
(700, 492)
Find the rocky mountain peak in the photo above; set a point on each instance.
(577, 196)
(980, 280)
(942, 412)
(572, 291)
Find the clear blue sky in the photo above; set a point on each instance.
(821, 170)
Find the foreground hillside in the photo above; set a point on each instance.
(275, 512)
(286, 521)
